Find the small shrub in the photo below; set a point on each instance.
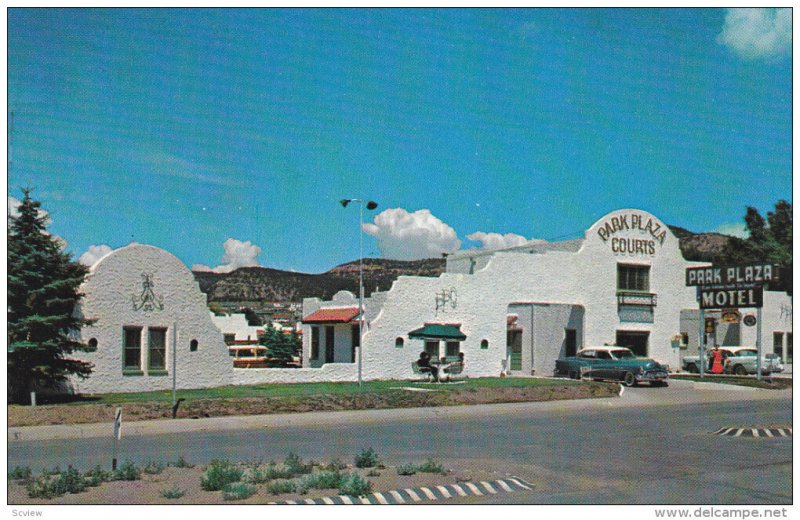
(71, 481)
(294, 464)
(41, 487)
(279, 487)
(355, 485)
(128, 471)
(20, 473)
(173, 492)
(366, 459)
(374, 473)
(431, 466)
(406, 469)
(56, 470)
(323, 480)
(50, 486)
(238, 491)
(335, 465)
(181, 463)
(96, 476)
(153, 468)
(218, 474)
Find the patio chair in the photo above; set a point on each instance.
(452, 371)
(419, 372)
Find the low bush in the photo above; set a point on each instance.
(153, 468)
(181, 463)
(173, 492)
(294, 465)
(50, 486)
(279, 487)
(128, 471)
(355, 485)
(373, 473)
(431, 466)
(335, 465)
(20, 473)
(218, 474)
(322, 480)
(366, 459)
(238, 491)
(406, 469)
(96, 476)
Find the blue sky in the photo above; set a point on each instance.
(235, 132)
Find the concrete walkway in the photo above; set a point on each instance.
(677, 394)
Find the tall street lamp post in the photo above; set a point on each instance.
(370, 205)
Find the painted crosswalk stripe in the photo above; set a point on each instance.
(381, 499)
(768, 432)
(415, 497)
(505, 486)
(444, 491)
(397, 497)
(488, 487)
(472, 487)
(346, 499)
(428, 493)
(327, 500)
(520, 484)
(458, 489)
(755, 432)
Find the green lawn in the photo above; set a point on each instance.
(306, 389)
(778, 383)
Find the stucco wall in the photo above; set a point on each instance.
(236, 324)
(114, 287)
(328, 372)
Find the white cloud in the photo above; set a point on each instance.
(498, 241)
(408, 236)
(734, 230)
(237, 254)
(758, 33)
(93, 254)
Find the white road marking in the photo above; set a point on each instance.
(755, 432)
(505, 486)
(489, 487)
(520, 484)
(346, 499)
(768, 432)
(415, 497)
(328, 500)
(364, 500)
(739, 433)
(444, 491)
(472, 487)
(310, 501)
(397, 496)
(381, 499)
(428, 493)
(459, 490)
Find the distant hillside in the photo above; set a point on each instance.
(273, 285)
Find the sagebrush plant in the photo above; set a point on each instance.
(182, 463)
(373, 473)
(153, 468)
(218, 474)
(355, 485)
(431, 466)
(173, 492)
(406, 469)
(238, 491)
(279, 487)
(366, 459)
(127, 471)
(50, 485)
(96, 476)
(322, 480)
(335, 465)
(20, 473)
(294, 464)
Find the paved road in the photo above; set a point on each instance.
(598, 452)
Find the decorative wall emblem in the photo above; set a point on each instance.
(148, 300)
(446, 296)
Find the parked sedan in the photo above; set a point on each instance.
(615, 364)
(744, 361)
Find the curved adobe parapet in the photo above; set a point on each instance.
(631, 233)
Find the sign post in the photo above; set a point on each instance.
(701, 343)
(117, 436)
(174, 363)
(758, 344)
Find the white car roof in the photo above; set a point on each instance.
(604, 347)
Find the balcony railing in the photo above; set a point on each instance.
(636, 298)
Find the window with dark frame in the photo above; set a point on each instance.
(633, 277)
(157, 348)
(355, 341)
(133, 348)
(452, 349)
(314, 342)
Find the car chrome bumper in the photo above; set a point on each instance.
(652, 376)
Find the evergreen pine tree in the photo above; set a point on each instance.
(43, 329)
(280, 347)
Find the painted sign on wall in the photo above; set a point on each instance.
(613, 229)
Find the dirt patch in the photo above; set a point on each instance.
(149, 489)
(399, 398)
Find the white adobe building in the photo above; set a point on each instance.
(147, 305)
(520, 309)
(236, 329)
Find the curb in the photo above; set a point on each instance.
(754, 432)
(421, 494)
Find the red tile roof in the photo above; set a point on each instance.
(340, 315)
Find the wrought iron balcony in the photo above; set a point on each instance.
(636, 298)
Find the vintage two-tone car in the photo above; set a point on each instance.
(736, 360)
(615, 364)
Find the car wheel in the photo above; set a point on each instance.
(629, 379)
(574, 375)
(659, 383)
(692, 369)
(739, 370)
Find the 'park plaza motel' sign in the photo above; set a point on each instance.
(731, 286)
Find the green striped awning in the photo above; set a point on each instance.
(438, 331)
